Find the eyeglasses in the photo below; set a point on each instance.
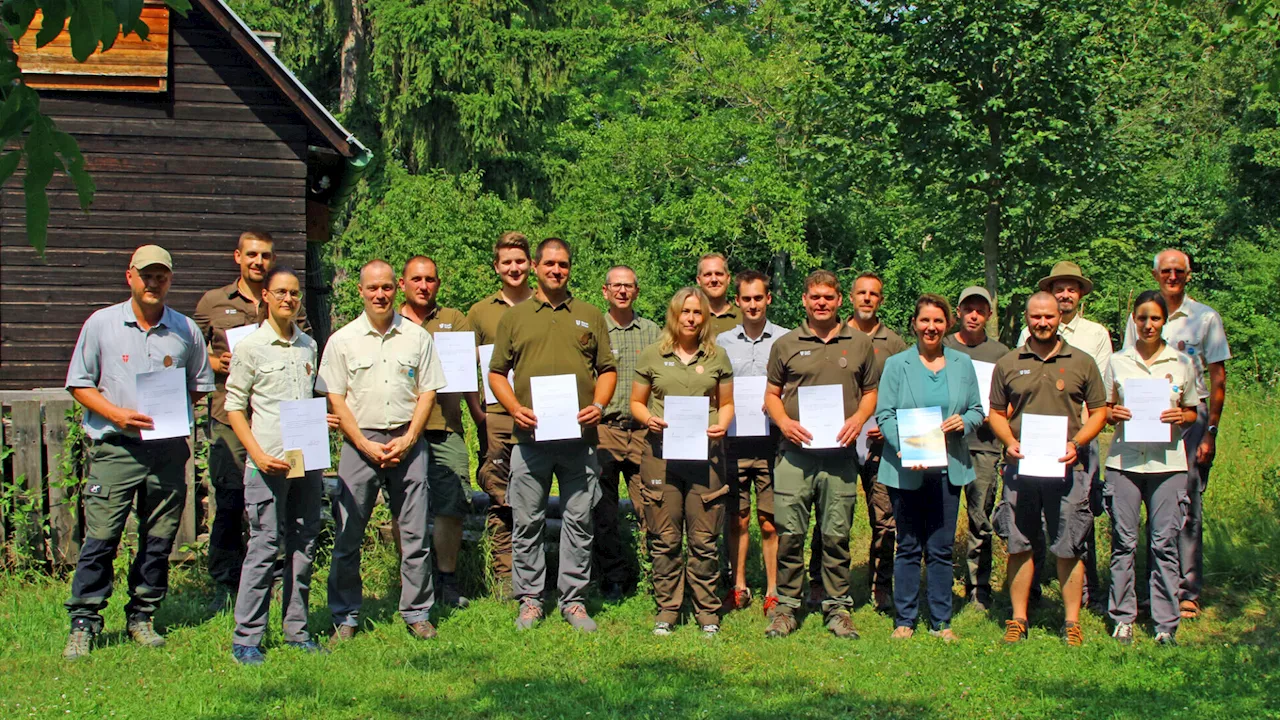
(616, 287)
(282, 294)
(1177, 272)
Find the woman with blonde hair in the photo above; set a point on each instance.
(684, 498)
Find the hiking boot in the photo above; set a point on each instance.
(530, 615)
(902, 632)
(310, 647)
(1166, 639)
(769, 605)
(248, 654)
(143, 632)
(611, 592)
(1123, 633)
(451, 596)
(816, 595)
(738, 599)
(662, 629)
(1015, 630)
(342, 633)
(883, 600)
(79, 641)
(780, 626)
(423, 630)
(945, 634)
(577, 617)
(710, 630)
(1074, 635)
(841, 625)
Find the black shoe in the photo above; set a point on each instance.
(612, 592)
(224, 598)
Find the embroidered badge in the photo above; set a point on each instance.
(168, 361)
(94, 489)
(844, 362)
(585, 340)
(699, 369)
(804, 353)
(231, 311)
(1062, 385)
(446, 326)
(1024, 372)
(410, 372)
(124, 358)
(308, 368)
(582, 323)
(669, 364)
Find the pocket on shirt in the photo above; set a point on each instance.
(407, 368)
(359, 365)
(271, 367)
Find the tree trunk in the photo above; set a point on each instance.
(352, 51)
(991, 260)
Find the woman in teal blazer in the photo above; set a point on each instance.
(927, 500)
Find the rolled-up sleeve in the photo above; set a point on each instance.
(240, 380)
(332, 379)
(85, 369)
(199, 372)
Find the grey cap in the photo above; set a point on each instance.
(975, 291)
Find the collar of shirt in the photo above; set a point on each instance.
(672, 354)
(1064, 350)
(294, 339)
(740, 332)
(806, 333)
(131, 318)
(614, 325)
(566, 304)
(1166, 354)
(233, 290)
(369, 329)
(1188, 308)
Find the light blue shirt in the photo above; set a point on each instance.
(749, 357)
(113, 348)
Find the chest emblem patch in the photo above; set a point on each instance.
(124, 358)
(168, 361)
(446, 326)
(231, 311)
(308, 368)
(585, 340)
(1062, 385)
(1024, 372)
(699, 370)
(582, 323)
(804, 353)
(844, 362)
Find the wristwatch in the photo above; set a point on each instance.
(1076, 444)
(1212, 430)
(598, 405)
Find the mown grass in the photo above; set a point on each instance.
(1227, 666)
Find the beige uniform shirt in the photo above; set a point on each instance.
(380, 375)
(1180, 371)
(267, 370)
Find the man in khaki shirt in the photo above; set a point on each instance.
(821, 352)
(553, 334)
(448, 466)
(381, 373)
(713, 278)
(511, 264)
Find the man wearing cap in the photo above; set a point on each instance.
(826, 353)
(1046, 376)
(713, 278)
(116, 344)
(511, 264)
(974, 309)
(554, 334)
(219, 310)
(1068, 285)
(866, 297)
(622, 439)
(1195, 329)
(381, 373)
(448, 464)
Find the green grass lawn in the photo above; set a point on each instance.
(1228, 664)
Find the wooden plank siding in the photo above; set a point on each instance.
(132, 64)
(222, 151)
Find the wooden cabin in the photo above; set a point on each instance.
(192, 137)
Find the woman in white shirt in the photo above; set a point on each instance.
(276, 363)
(1151, 472)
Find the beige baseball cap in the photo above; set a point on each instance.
(975, 291)
(150, 255)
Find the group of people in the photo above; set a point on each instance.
(401, 436)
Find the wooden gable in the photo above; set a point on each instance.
(131, 65)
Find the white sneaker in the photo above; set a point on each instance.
(710, 630)
(662, 629)
(1123, 633)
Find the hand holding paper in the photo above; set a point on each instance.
(1146, 399)
(1043, 439)
(749, 419)
(686, 434)
(457, 351)
(822, 414)
(304, 427)
(555, 403)
(162, 396)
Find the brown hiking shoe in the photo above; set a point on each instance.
(530, 615)
(423, 630)
(945, 634)
(1073, 634)
(342, 633)
(1015, 631)
(143, 632)
(841, 625)
(780, 626)
(902, 632)
(79, 642)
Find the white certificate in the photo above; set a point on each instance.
(486, 355)
(920, 439)
(687, 418)
(555, 403)
(236, 334)
(863, 445)
(749, 419)
(162, 396)
(1146, 398)
(984, 371)
(822, 414)
(457, 351)
(303, 426)
(1043, 440)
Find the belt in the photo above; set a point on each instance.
(122, 440)
(627, 425)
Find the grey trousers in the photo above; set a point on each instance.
(405, 488)
(575, 465)
(1090, 459)
(980, 503)
(1191, 541)
(283, 515)
(1165, 495)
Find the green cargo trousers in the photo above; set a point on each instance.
(124, 474)
(804, 480)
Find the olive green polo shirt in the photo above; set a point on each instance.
(731, 319)
(484, 317)
(885, 343)
(666, 374)
(801, 358)
(536, 339)
(1057, 385)
(446, 414)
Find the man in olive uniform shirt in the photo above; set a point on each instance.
(821, 352)
(1046, 376)
(974, 309)
(126, 473)
(866, 296)
(232, 306)
(553, 334)
(511, 263)
(621, 437)
(713, 278)
(448, 464)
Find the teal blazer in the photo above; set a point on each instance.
(895, 392)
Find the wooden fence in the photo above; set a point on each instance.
(40, 518)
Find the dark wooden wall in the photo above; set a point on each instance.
(222, 152)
